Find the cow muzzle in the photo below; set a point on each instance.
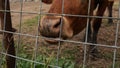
(54, 27)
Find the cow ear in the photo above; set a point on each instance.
(47, 1)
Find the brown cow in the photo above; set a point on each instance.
(72, 25)
(110, 7)
(8, 39)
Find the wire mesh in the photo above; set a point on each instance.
(31, 51)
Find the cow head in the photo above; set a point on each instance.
(50, 25)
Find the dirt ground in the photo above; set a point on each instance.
(33, 7)
(106, 34)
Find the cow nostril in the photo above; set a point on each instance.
(57, 24)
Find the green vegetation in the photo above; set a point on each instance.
(31, 22)
(42, 58)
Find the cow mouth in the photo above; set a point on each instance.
(53, 38)
(52, 41)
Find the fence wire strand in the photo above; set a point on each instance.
(19, 31)
(36, 44)
(116, 37)
(86, 35)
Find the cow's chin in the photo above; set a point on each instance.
(55, 40)
(52, 41)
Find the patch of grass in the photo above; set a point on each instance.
(50, 59)
(2, 57)
(47, 59)
(117, 65)
(42, 57)
(31, 22)
(29, 26)
(108, 56)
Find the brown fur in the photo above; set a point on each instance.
(110, 6)
(72, 25)
(2, 7)
(76, 7)
(8, 39)
(47, 1)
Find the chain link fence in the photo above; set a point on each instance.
(32, 52)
